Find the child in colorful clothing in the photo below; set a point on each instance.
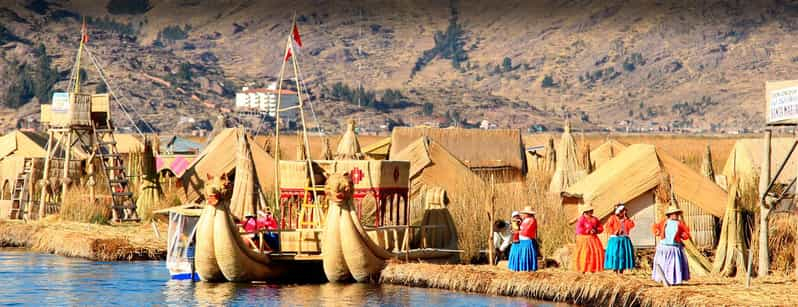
(670, 260)
(515, 225)
(524, 255)
(589, 254)
(620, 254)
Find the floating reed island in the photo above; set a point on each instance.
(600, 289)
(90, 241)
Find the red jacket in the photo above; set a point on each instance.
(584, 224)
(614, 224)
(529, 228)
(682, 233)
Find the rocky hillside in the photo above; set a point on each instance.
(602, 63)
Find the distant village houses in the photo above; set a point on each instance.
(263, 101)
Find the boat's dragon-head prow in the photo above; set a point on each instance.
(217, 189)
(340, 188)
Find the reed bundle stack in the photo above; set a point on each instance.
(568, 169)
(605, 152)
(150, 192)
(218, 126)
(585, 160)
(326, 153)
(706, 165)
(730, 256)
(244, 201)
(550, 160)
(90, 241)
(349, 147)
(598, 289)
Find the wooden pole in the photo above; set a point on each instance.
(67, 156)
(764, 209)
(491, 247)
(277, 126)
(45, 174)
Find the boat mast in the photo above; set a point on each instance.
(289, 50)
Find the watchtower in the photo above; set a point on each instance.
(82, 122)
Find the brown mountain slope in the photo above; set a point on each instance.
(685, 64)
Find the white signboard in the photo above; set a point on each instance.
(60, 102)
(782, 102)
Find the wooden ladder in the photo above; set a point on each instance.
(20, 198)
(311, 209)
(123, 209)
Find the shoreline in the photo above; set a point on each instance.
(598, 289)
(90, 241)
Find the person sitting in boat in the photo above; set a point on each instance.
(502, 238)
(524, 255)
(267, 221)
(620, 254)
(670, 260)
(589, 254)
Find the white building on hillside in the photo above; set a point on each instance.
(264, 101)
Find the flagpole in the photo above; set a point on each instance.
(277, 121)
(295, 64)
(83, 34)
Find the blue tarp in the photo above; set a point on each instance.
(178, 145)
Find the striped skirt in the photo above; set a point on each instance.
(620, 254)
(673, 262)
(523, 256)
(589, 254)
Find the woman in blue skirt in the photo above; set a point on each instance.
(620, 254)
(524, 254)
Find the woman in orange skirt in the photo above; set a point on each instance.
(589, 255)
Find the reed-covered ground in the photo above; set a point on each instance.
(86, 240)
(599, 289)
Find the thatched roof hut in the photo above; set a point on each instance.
(632, 177)
(606, 151)
(432, 165)
(498, 152)
(15, 147)
(746, 157)
(348, 146)
(218, 158)
(378, 150)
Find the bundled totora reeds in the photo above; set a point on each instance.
(91, 241)
(598, 289)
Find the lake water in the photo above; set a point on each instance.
(28, 278)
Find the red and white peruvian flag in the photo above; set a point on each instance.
(295, 38)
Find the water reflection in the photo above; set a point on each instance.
(41, 279)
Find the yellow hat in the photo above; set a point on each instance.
(672, 209)
(527, 210)
(585, 208)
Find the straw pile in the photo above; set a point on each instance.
(150, 192)
(349, 147)
(550, 160)
(91, 241)
(706, 165)
(600, 289)
(568, 169)
(327, 151)
(245, 197)
(730, 257)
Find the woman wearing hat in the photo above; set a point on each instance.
(620, 254)
(589, 251)
(524, 254)
(670, 261)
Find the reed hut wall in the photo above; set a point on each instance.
(635, 172)
(475, 148)
(431, 165)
